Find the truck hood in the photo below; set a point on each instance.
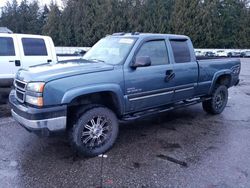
(49, 72)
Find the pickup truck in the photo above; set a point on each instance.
(21, 51)
(123, 77)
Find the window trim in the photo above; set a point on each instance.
(44, 55)
(181, 40)
(152, 40)
(14, 50)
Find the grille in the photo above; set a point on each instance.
(20, 90)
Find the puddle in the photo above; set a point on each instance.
(13, 164)
(8, 173)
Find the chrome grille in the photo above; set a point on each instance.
(20, 88)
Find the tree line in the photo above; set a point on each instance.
(210, 23)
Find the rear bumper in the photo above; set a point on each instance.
(5, 88)
(237, 82)
(6, 82)
(4, 93)
(43, 121)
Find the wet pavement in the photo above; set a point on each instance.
(182, 148)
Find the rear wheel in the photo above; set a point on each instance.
(95, 132)
(218, 102)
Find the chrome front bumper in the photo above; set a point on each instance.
(41, 121)
(53, 124)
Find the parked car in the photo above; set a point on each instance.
(199, 53)
(80, 52)
(22, 51)
(221, 53)
(245, 54)
(234, 54)
(123, 77)
(209, 54)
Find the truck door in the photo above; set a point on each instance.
(9, 59)
(34, 51)
(147, 87)
(185, 68)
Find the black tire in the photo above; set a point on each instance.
(218, 102)
(94, 132)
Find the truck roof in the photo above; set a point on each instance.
(146, 35)
(21, 35)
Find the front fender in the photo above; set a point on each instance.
(70, 95)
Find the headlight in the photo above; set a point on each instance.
(37, 101)
(36, 87)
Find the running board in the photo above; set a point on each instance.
(154, 111)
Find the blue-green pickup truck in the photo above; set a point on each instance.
(123, 77)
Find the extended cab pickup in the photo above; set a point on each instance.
(122, 77)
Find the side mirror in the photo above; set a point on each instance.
(142, 61)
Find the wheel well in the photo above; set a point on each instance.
(224, 80)
(107, 99)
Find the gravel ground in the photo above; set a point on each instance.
(4, 111)
(182, 148)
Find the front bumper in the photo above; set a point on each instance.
(42, 121)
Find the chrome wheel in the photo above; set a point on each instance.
(219, 100)
(96, 132)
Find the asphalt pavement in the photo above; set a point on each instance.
(181, 148)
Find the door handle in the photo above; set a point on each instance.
(170, 75)
(168, 72)
(49, 61)
(17, 62)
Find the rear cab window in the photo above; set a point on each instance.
(156, 50)
(34, 47)
(181, 51)
(7, 46)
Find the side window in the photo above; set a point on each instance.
(7, 46)
(156, 50)
(34, 47)
(181, 51)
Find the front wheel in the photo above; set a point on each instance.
(218, 102)
(95, 132)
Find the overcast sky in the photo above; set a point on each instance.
(42, 2)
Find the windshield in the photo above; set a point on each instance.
(111, 50)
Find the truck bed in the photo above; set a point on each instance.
(209, 70)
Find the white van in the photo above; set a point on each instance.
(22, 51)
